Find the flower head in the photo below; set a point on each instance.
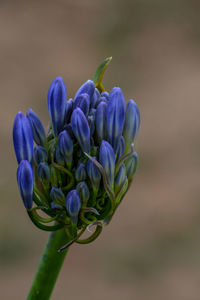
(85, 162)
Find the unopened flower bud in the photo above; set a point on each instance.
(39, 135)
(88, 88)
(94, 174)
(120, 178)
(83, 102)
(25, 180)
(66, 146)
(57, 195)
(107, 160)
(83, 191)
(80, 173)
(73, 204)
(23, 138)
(105, 94)
(40, 154)
(43, 172)
(95, 98)
(132, 123)
(59, 157)
(81, 129)
(120, 148)
(131, 164)
(68, 110)
(115, 116)
(56, 104)
(101, 122)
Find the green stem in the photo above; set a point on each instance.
(49, 266)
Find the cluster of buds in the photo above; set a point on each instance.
(78, 172)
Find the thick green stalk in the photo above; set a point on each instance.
(49, 266)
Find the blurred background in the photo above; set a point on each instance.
(151, 249)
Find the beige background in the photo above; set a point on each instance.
(151, 250)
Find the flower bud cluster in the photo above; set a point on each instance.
(78, 171)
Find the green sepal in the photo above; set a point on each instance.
(98, 76)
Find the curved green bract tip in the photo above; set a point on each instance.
(98, 76)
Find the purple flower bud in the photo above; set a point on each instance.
(120, 148)
(83, 102)
(120, 178)
(95, 98)
(43, 171)
(131, 164)
(25, 180)
(23, 138)
(68, 110)
(88, 88)
(57, 96)
(80, 173)
(115, 116)
(73, 204)
(93, 173)
(101, 122)
(40, 154)
(65, 145)
(132, 123)
(81, 129)
(39, 135)
(57, 195)
(107, 160)
(83, 191)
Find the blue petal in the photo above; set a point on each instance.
(73, 203)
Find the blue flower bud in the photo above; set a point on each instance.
(57, 195)
(83, 191)
(80, 173)
(81, 129)
(120, 148)
(66, 146)
(115, 116)
(56, 104)
(83, 102)
(93, 173)
(40, 154)
(25, 180)
(73, 204)
(95, 98)
(39, 135)
(131, 164)
(23, 138)
(43, 171)
(107, 160)
(101, 122)
(105, 94)
(132, 123)
(68, 110)
(88, 88)
(120, 178)
(59, 157)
